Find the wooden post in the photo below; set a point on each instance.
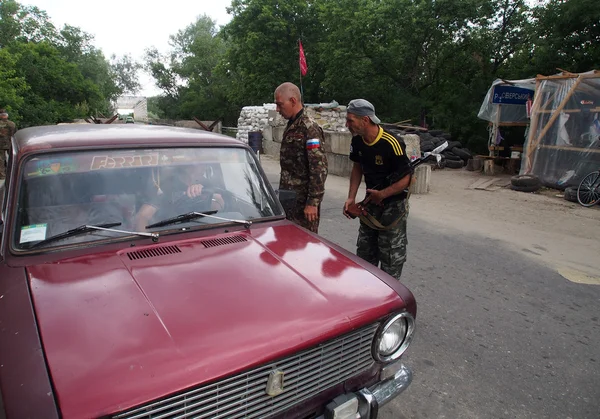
(495, 133)
(488, 167)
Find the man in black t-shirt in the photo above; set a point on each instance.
(381, 158)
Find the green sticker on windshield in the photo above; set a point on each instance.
(32, 233)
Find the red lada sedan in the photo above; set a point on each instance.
(149, 272)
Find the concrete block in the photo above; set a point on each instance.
(421, 179)
(413, 146)
(340, 142)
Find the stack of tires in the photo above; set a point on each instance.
(525, 183)
(455, 156)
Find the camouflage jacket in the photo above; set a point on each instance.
(7, 130)
(303, 161)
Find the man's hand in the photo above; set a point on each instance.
(194, 190)
(349, 201)
(375, 196)
(310, 212)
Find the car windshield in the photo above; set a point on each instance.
(137, 188)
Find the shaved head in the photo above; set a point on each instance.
(288, 90)
(288, 100)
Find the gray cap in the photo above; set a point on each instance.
(362, 107)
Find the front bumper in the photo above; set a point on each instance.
(365, 403)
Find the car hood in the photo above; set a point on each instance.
(123, 328)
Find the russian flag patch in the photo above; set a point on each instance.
(313, 143)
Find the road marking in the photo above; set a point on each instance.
(579, 277)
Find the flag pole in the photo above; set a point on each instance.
(300, 70)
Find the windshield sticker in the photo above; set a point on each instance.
(32, 233)
(140, 160)
(53, 166)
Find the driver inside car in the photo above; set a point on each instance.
(176, 190)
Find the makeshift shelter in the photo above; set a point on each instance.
(506, 105)
(563, 144)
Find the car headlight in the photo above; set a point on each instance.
(393, 337)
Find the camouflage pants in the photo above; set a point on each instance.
(296, 215)
(387, 247)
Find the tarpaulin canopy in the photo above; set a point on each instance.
(506, 101)
(563, 144)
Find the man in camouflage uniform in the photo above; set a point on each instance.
(302, 158)
(7, 130)
(381, 157)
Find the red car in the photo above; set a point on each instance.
(149, 272)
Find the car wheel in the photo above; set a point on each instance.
(571, 194)
(525, 180)
(454, 164)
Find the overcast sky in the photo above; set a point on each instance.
(130, 26)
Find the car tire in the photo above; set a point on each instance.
(526, 180)
(531, 188)
(571, 194)
(427, 146)
(454, 164)
(435, 132)
(462, 153)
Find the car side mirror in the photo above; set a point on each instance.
(287, 198)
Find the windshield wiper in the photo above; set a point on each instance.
(86, 229)
(188, 216)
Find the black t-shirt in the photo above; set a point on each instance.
(384, 157)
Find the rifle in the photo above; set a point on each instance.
(359, 209)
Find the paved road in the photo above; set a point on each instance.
(498, 335)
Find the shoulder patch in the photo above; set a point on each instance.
(313, 143)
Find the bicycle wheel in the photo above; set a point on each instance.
(588, 192)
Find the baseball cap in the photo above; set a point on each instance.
(362, 107)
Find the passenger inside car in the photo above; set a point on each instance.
(175, 190)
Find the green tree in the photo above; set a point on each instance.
(57, 90)
(20, 23)
(567, 36)
(191, 82)
(263, 47)
(124, 72)
(12, 87)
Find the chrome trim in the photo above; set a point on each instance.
(385, 391)
(368, 408)
(307, 374)
(410, 330)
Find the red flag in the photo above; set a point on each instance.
(303, 65)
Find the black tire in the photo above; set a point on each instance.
(465, 155)
(446, 136)
(453, 144)
(571, 194)
(427, 146)
(450, 155)
(588, 192)
(531, 188)
(435, 132)
(526, 180)
(454, 164)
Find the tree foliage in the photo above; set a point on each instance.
(49, 75)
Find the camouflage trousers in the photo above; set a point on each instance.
(296, 215)
(387, 247)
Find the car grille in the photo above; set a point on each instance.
(244, 396)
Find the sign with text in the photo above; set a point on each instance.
(510, 95)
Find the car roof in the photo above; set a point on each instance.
(116, 136)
